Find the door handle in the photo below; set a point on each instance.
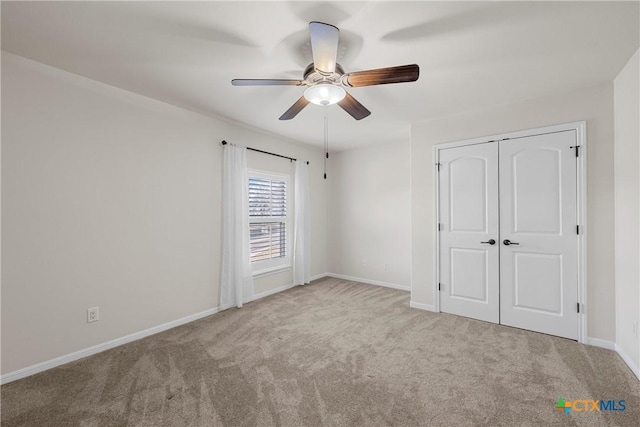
(490, 242)
(508, 242)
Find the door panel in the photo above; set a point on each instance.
(536, 183)
(538, 277)
(469, 271)
(538, 282)
(469, 216)
(468, 194)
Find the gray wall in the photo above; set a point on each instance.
(369, 215)
(112, 199)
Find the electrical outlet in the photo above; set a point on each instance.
(93, 314)
(364, 261)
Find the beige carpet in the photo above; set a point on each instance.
(333, 353)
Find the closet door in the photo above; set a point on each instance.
(538, 239)
(469, 244)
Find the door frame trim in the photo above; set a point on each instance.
(580, 128)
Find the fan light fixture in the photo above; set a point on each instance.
(325, 79)
(324, 94)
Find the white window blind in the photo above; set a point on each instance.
(268, 240)
(268, 219)
(267, 198)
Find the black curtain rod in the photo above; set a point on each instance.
(266, 152)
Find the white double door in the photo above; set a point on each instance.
(508, 238)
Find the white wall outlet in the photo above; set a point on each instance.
(364, 261)
(93, 314)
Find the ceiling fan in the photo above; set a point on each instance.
(325, 78)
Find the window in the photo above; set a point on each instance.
(268, 221)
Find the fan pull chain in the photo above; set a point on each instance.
(326, 142)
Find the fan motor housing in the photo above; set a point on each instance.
(310, 70)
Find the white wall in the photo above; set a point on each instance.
(595, 105)
(112, 199)
(627, 209)
(369, 213)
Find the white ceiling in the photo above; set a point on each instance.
(470, 54)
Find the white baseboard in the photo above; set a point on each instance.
(370, 281)
(319, 276)
(283, 288)
(58, 361)
(271, 292)
(426, 307)
(610, 345)
(49, 364)
(597, 342)
(627, 359)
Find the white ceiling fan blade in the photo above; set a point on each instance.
(266, 82)
(324, 46)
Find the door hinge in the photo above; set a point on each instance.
(439, 227)
(439, 287)
(578, 307)
(578, 230)
(577, 147)
(438, 166)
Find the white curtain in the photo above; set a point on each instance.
(302, 226)
(236, 275)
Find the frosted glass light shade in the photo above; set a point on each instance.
(324, 94)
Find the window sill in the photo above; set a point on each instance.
(271, 271)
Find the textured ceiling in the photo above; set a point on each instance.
(471, 54)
